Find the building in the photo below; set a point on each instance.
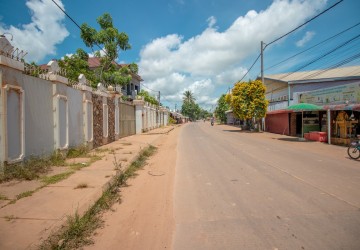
(129, 90)
(336, 91)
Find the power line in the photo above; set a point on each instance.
(334, 66)
(324, 41)
(322, 56)
(77, 25)
(149, 88)
(250, 67)
(308, 21)
(298, 27)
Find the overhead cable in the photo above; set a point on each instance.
(324, 41)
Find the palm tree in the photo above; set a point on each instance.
(188, 96)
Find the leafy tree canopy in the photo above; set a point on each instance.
(191, 109)
(148, 98)
(248, 100)
(113, 41)
(222, 106)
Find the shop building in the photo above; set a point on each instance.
(336, 91)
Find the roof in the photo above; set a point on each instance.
(317, 75)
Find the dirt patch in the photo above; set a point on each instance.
(144, 219)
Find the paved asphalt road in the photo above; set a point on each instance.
(236, 190)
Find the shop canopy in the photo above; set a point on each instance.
(304, 107)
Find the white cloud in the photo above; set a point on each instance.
(307, 37)
(212, 21)
(40, 37)
(216, 56)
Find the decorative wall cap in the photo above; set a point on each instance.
(53, 67)
(139, 102)
(82, 80)
(58, 78)
(9, 62)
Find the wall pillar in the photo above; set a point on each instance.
(139, 106)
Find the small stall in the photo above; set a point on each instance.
(344, 128)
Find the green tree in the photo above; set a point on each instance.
(191, 109)
(222, 106)
(248, 100)
(108, 36)
(112, 41)
(188, 96)
(148, 98)
(77, 64)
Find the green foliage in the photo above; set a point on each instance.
(191, 109)
(148, 98)
(188, 96)
(109, 72)
(248, 100)
(222, 106)
(77, 64)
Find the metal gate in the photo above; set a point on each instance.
(127, 119)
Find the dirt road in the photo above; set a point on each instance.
(144, 219)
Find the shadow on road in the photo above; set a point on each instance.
(293, 139)
(239, 131)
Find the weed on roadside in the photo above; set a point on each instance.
(81, 151)
(78, 229)
(3, 197)
(126, 143)
(47, 180)
(32, 168)
(25, 194)
(81, 186)
(10, 217)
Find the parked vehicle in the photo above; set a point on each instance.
(354, 149)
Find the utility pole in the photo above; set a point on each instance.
(262, 76)
(175, 107)
(262, 62)
(159, 98)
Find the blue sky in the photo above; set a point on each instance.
(200, 45)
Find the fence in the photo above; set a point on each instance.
(41, 113)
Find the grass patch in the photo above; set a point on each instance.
(32, 168)
(101, 150)
(25, 194)
(10, 217)
(78, 229)
(81, 151)
(3, 197)
(47, 180)
(82, 185)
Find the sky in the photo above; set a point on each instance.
(204, 46)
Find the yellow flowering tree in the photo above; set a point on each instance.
(248, 100)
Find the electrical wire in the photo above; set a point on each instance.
(308, 21)
(322, 56)
(298, 27)
(324, 41)
(77, 25)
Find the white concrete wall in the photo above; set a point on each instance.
(39, 123)
(76, 117)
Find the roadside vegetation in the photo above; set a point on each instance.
(40, 169)
(191, 109)
(221, 108)
(247, 101)
(78, 229)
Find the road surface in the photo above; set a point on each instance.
(237, 190)
(221, 188)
